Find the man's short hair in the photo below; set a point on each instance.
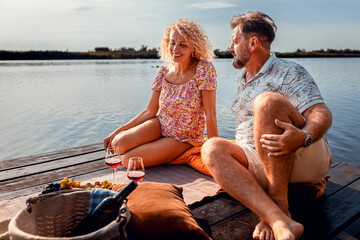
(256, 23)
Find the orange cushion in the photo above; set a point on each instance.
(192, 157)
(158, 211)
(308, 191)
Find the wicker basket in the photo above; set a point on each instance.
(53, 215)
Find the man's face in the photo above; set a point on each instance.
(239, 49)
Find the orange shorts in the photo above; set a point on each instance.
(195, 144)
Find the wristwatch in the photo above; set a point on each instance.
(308, 139)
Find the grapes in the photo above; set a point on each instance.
(64, 184)
(52, 188)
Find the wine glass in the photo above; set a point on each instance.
(136, 170)
(113, 159)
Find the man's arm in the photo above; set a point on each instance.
(318, 120)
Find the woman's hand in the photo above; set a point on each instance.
(108, 140)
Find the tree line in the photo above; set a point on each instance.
(98, 53)
(145, 53)
(302, 53)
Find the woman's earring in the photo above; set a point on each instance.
(193, 54)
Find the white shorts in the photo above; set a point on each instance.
(311, 164)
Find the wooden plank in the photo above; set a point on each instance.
(340, 176)
(37, 171)
(350, 233)
(43, 167)
(239, 226)
(217, 210)
(223, 217)
(29, 189)
(50, 176)
(326, 217)
(342, 208)
(334, 164)
(50, 156)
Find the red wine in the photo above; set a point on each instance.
(113, 162)
(106, 212)
(137, 176)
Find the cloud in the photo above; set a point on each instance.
(82, 9)
(211, 5)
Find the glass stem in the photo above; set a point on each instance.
(114, 176)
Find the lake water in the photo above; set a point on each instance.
(51, 105)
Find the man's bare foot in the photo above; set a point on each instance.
(289, 230)
(263, 232)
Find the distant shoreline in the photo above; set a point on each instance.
(329, 53)
(144, 53)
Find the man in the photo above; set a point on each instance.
(281, 123)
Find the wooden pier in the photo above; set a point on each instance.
(336, 215)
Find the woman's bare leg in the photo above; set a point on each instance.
(145, 141)
(160, 151)
(148, 131)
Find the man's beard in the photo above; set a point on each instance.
(241, 60)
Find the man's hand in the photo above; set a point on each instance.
(281, 144)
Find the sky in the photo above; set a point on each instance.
(82, 25)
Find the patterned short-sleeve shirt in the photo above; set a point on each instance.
(285, 77)
(181, 110)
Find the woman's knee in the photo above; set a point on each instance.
(121, 141)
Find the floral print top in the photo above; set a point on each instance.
(282, 76)
(181, 111)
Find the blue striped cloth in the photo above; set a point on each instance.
(97, 195)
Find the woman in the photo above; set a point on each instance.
(182, 101)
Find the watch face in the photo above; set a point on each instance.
(307, 141)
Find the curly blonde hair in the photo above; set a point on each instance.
(193, 34)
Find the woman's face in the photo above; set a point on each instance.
(179, 48)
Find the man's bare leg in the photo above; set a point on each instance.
(225, 161)
(267, 108)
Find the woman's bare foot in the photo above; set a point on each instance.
(263, 232)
